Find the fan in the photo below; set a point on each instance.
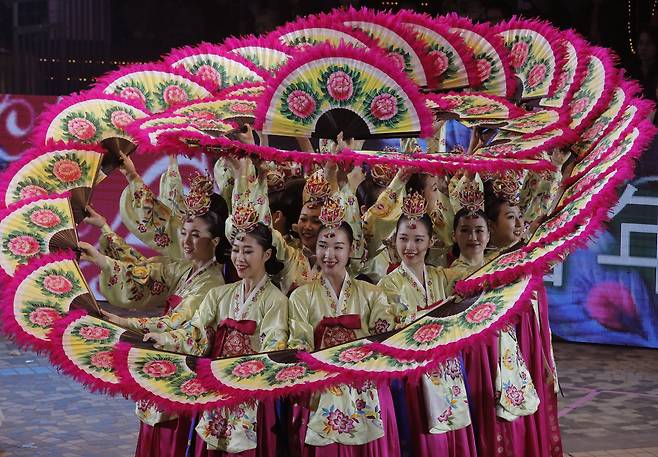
(439, 337)
(491, 57)
(266, 53)
(536, 55)
(164, 378)
(243, 90)
(217, 67)
(472, 106)
(31, 228)
(82, 345)
(325, 90)
(595, 90)
(453, 61)
(181, 138)
(157, 86)
(534, 122)
(531, 145)
(40, 294)
(572, 72)
(56, 169)
(399, 42)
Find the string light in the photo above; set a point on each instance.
(629, 28)
(653, 8)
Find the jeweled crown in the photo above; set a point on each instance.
(197, 201)
(245, 217)
(508, 187)
(316, 189)
(382, 174)
(414, 206)
(471, 197)
(332, 214)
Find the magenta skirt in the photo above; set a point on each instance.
(457, 443)
(266, 436)
(386, 446)
(168, 439)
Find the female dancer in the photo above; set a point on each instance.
(438, 415)
(246, 317)
(127, 279)
(331, 310)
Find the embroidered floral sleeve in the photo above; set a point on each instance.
(353, 217)
(115, 247)
(181, 312)
(301, 330)
(224, 180)
(382, 314)
(537, 194)
(137, 285)
(380, 219)
(193, 337)
(171, 188)
(150, 219)
(274, 322)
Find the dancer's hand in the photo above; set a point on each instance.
(157, 339)
(94, 218)
(246, 137)
(127, 167)
(91, 254)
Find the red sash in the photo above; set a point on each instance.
(172, 302)
(351, 321)
(246, 327)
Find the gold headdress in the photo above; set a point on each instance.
(197, 201)
(508, 187)
(316, 189)
(469, 194)
(332, 215)
(276, 180)
(245, 219)
(382, 174)
(414, 207)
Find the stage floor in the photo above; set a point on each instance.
(609, 408)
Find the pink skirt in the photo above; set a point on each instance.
(266, 436)
(457, 443)
(386, 446)
(168, 439)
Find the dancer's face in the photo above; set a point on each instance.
(508, 227)
(472, 235)
(333, 251)
(308, 226)
(197, 242)
(249, 257)
(412, 242)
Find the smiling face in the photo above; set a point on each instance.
(508, 227)
(412, 241)
(249, 257)
(196, 240)
(308, 226)
(333, 251)
(472, 235)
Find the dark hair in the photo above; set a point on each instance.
(288, 200)
(464, 212)
(492, 203)
(417, 182)
(426, 221)
(344, 226)
(368, 192)
(263, 236)
(215, 218)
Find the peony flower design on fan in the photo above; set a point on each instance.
(55, 282)
(118, 118)
(384, 107)
(486, 68)
(42, 314)
(480, 313)
(47, 218)
(401, 58)
(99, 360)
(242, 107)
(537, 74)
(247, 369)
(355, 354)
(68, 169)
(300, 103)
(172, 93)
(157, 366)
(519, 50)
(21, 246)
(444, 61)
(212, 73)
(94, 333)
(81, 127)
(341, 85)
(288, 374)
(134, 90)
(31, 187)
(420, 334)
(190, 387)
